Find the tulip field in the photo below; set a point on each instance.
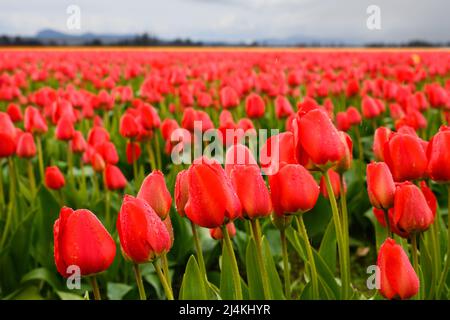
(218, 174)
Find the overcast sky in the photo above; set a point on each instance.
(236, 20)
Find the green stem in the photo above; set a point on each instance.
(340, 240)
(198, 249)
(234, 267)
(388, 223)
(40, 156)
(259, 255)
(345, 227)
(2, 192)
(287, 273)
(70, 163)
(95, 288)
(165, 267)
(415, 257)
(162, 278)
(444, 273)
(314, 278)
(140, 284)
(31, 178)
(107, 207)
(158, 151)
(151, 155)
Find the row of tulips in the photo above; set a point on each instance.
(100, 128)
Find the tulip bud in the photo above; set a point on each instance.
(26, 147)
(252, 191)
(438, 152)
(429, 196)
(380, 185)
(342, 121)
(293, 190)
(335, 184)
(114, 178)
(81, 240)
(133, 151)
(320, 139)
(216, 233)
(405, 157)
(354, 117)
(181, 192)
(34, 121)
(397, 277)
(278, 149)
(228, 98)
(238, 155)
(283, 107)
(254, 106)
(154, 191)
(97, 162)
(411, 211)
(212, 199)
(346, 161)
(108, 152)
(381, 136)
(7, 136)
(143, 236)
(128, 127)
(64, 129)
(78, 144)
(14, 112)
(54, 179)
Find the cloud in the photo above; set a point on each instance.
(236, 20)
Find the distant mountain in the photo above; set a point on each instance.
(57, 37)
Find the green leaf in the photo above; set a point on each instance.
(193, 285)
(226, 277)
(27, 293)
(255, 286)
(116, 291)
(42, 274)
(274, 278)
(327, 248)
(68, 296)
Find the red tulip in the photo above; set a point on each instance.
(78, 144)
(143, 236)
(64, 128)
(108, 152)
(229, 98)
(438, 152)
(381, 136)
(254, 106)
(342, 121)
(319, 139)
(283, 107)
(429, 196)
(252, 191)
(293, 189)
(154, 191)
(97, 162)
(54, 179)
(114, 178)
(278, 149)
(14, 112)
(133, 151)
(7, 136)
(370, 108)
(411, 211)
(26, 148)
(216, 233)
(181, 192)
(335, 184)
(34, 121)
(405, 157)
(380, 185)
(212, 199)
(354, 117)
(81, 240)
(346, 161)
(97, 136)
(128, 127)
(238, 155)
(397, 277)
